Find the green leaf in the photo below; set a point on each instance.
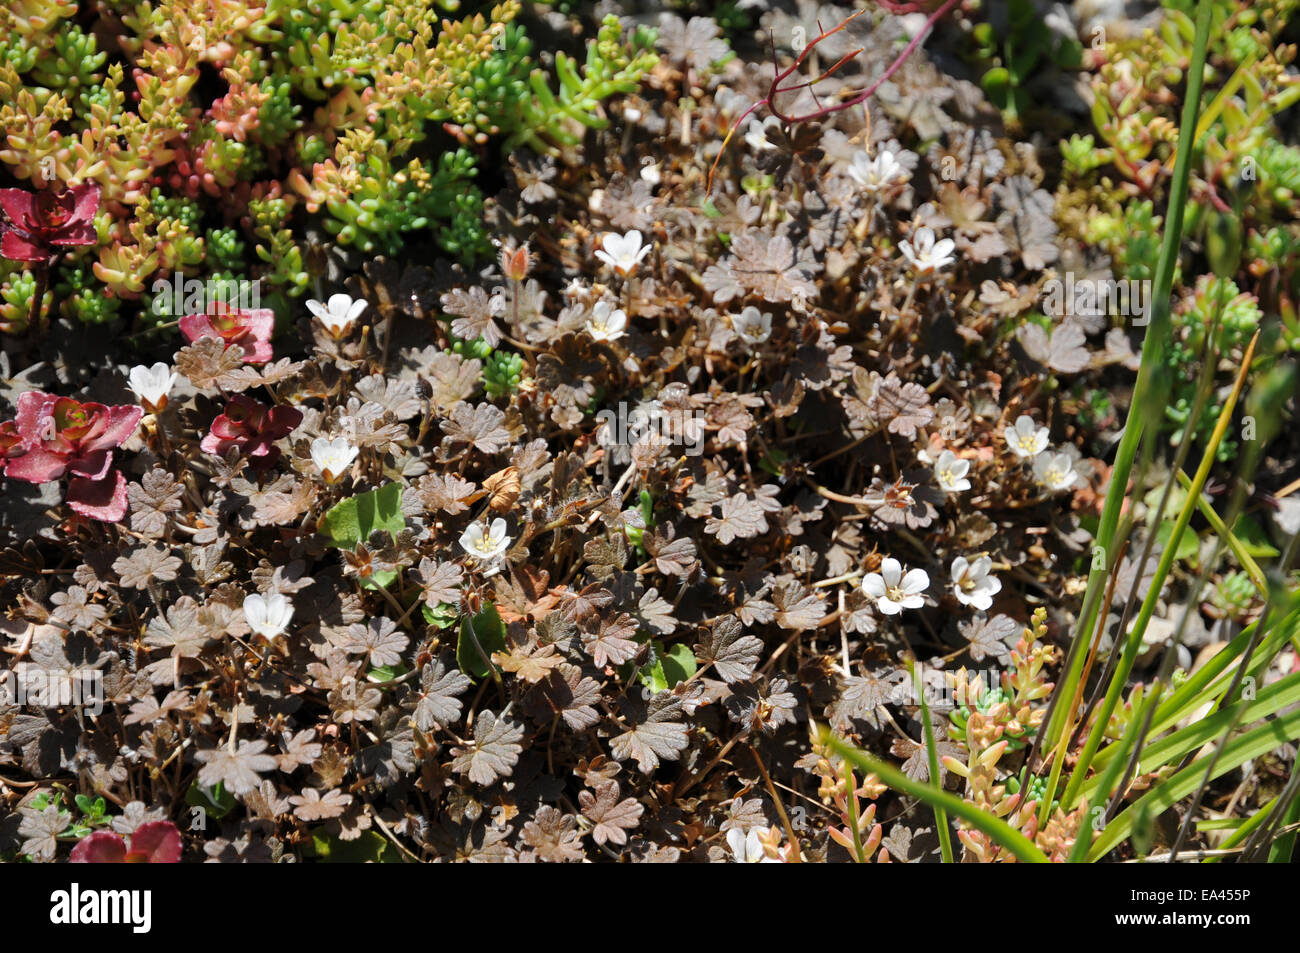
(1254, 540)
(668, 667)
(369, 848)
(1187, 543)
(379, 580)
(386, 673)
(442, 616)
(1173, 747)
(215, 801)
(997, 83)
(489, 632)
(351, 521)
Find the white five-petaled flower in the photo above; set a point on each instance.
(950, 472)
(268, 616)
(486, 543)
(332, 457)
(972, 583)
(876, 174)
(747, 848)
(152, 385)
(893, 590)
(337, 314)
(756, 134)
(606, 323)
(1026, 439)
(622, 252)
(752, 326)
(1055, 471)
(925, 254)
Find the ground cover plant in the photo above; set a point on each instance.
(697, 432)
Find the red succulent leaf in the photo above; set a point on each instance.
(100, 847)
(103, 499)
(53, 436)
(250, 427)
(92, 466)
(250, 329)
(35, 408)
(158, 842)
(60, 434)
(37, 466)
(38, 223)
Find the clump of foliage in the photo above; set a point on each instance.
(739, 507)
(219, 138)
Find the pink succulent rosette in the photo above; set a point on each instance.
(60, 436)
(251, 428)
(250, 329)
(38, 223)
(158, 842)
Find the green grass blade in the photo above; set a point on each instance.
(1146, 399)
(1258, 741)
(1120, 676)
(1172, 747)
(932, 757)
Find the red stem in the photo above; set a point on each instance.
(775, 89)
(866, 93)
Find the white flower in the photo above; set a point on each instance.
(950, 472)
(747, 848)
(152, 385)
(606, 322)
(1055, 471)
(894, 591)
(486, 543)
(927, 255)
(756, 134)
(1025, 439)
(874, 175)
(268, 616)
(751, 326)
(332, 457)
(972, 583)
(622, 252)
(338, 313)
(575, 289)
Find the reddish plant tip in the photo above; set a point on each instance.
(52, 437)
(250, 329)
(37, 224)
(157, 842)
(251, 428)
